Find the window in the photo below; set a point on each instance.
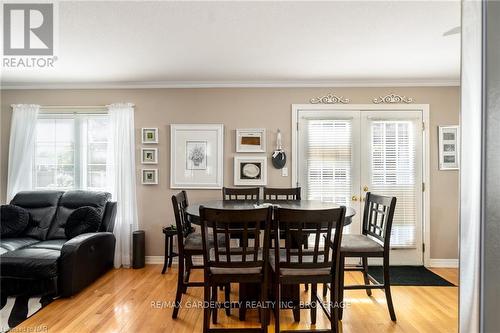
(70, 151)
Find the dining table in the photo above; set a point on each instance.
(289, 293)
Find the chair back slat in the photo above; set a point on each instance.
(378, 216)
(182, 223)
(242, 223)
(324, 225)
(240, 194)
(279, 194)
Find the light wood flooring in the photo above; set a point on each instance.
(128, 300)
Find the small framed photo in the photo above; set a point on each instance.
(149, 176)
(449, 147)
(250, 170)
(251, 140)
(149, 135)
(149, 155)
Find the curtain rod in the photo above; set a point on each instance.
(72, 109)
(72, 106)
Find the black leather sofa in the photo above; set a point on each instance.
(42, 262)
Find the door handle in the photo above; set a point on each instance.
(365, 188)
(354, 198)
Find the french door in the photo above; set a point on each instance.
(344, 154)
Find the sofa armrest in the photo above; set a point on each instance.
(83, 259)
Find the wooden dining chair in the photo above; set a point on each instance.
(240, 194)
(278, 194)
(225, 263)
(285, 194)
(189, 244)
(292, 265)
(374, 242)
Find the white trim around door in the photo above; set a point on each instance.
(424, 108)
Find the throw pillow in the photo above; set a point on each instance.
(82, 220)
(14, 220)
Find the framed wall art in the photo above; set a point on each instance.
(250, 170)
(449, 147)
(196, 156)
(251, 140)
(149, 155)
(149, 135)
(149, 176)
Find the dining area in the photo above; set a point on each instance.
(264, 256)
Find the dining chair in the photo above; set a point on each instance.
(240, 194)
(189, 244)
(374, 242)
(321, 264)
(278, 194)
(284, 194)
(226, 263)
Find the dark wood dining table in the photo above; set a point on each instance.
(246, 292)
(193, 210)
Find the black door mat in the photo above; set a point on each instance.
(410, 276)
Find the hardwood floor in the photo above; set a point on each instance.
(128, 300)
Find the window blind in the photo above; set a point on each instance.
(329, 160)
(393, 173)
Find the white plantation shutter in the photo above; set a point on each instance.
(328, 161)
(394, 173)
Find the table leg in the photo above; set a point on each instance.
(165, 259)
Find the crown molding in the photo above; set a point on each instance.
(230, 84)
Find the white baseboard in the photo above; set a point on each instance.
(158, 260)
(155, 260)
(434, 263)
(443, 263)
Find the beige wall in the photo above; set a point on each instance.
(245, 107)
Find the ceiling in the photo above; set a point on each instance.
(250, 44)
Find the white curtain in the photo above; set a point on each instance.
(121, 177)
(21, 148)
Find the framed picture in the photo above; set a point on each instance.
(250, 170)
(149, 176)
(149, 135)
(196, 156)
(449, 147)
(251, 140)
(149, 155)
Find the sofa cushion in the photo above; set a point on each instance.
(82, 220)
(53, 244)
(30, 263)
(12, 244)
(14, 220)
(72, 200)
(42, 206)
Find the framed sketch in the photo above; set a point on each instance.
(251, 140)
(149, 135)
(250, 170)
(196, 156)
(149, 176)
(149, 155)
(449, 147)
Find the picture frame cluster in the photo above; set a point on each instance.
(250, 170)
(149, 155)
(449, 147)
